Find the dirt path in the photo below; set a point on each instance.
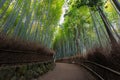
(65, 71)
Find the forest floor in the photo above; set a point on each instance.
(64, 71)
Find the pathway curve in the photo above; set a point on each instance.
(64, 71)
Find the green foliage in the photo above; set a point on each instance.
(90, 3)
(25, 72)
(32, 20)
(37, 20)
(83, 27)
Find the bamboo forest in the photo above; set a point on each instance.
(59, 39)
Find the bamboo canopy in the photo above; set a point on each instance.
(87, 23)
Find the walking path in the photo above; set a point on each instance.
(64, 71)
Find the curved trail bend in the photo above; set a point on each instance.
(64, 71)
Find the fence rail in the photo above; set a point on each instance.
(13, 57)
(104, 67)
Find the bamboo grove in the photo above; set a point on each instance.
(33, 20)
(87, 23)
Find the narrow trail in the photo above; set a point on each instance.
(64, 71)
